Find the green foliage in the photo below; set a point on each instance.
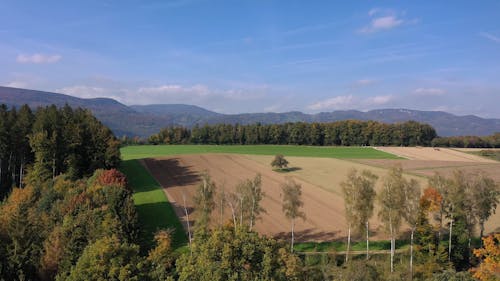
(45, 228)
(51, 142)
(279, 161)
(108, 259)
(359, 195)
(250, 191)
(204, 201)
(492, 141)
(347, 133)
(226, 254)
(451, 275)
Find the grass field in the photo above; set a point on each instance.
(148, 151)
(153, 208)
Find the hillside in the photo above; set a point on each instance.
(144, 120)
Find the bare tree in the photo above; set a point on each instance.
(292, 203)
(391, 199)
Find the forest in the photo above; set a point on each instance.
(345, 133)
(492, 141)
(52, 141)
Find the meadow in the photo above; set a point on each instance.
(353, 152)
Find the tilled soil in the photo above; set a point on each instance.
(180, 175)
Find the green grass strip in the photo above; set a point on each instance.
(341, 152)
(153, 208)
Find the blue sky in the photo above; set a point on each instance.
(259, 56)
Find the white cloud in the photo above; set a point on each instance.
(337, 102)
(17, 84)
(38, 58)
(385, 19)
(174, 90)
(378, 100)
(490, 37)
(429, 91)
(350, 102)
(89, 92)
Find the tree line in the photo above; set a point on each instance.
(453, 206)
(492, 141)
(345, 133)
(52, 141)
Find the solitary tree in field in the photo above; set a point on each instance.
(411, 211)
(292, 203)
(359, 196)
(204, 200)
(279, 162)
(391, 200)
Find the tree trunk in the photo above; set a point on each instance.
(21, 171)
(392, 247)
(187, 219)
(367, 241)
(241, 211)
(293, 236)
(411, 253)
(348, 244)
(234, 215)
(252, 213)
(481, 226)
(449, 240)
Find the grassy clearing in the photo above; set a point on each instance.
(153, 208)
(338, 246)
(487, 153)
(147, 151)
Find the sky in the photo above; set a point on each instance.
(261, 55)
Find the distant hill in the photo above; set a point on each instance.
(144, 120)
(122, 119)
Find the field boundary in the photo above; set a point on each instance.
(153, 208)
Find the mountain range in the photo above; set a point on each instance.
(144, 120)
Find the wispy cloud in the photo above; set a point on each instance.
(38, 58)
(429, 92)
(384, 19)
(350, 102)
(364, 82)
(490, 37)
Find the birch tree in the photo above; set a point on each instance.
(204, 201)
(486, 198)
(292, 204)
(391, 200)
(359, 196)
(411, 212)
(250, 191)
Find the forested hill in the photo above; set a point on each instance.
(146, 120)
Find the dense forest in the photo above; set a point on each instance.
(346, 133)
(492, 141)
(52, 141)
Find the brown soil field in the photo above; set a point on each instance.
(434, 154)
(321, 191)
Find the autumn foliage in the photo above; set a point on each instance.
(112, 177)
(489, 269)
